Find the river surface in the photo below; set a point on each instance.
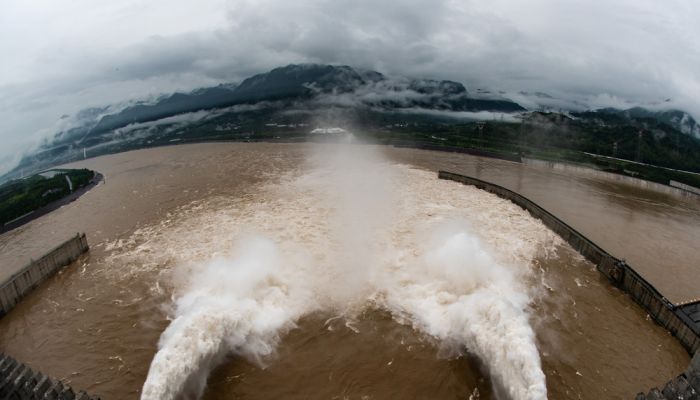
(353, 273)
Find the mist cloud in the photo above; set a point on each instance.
(58, 59)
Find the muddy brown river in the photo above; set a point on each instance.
(260, 271)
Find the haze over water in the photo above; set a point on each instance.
(330, 249)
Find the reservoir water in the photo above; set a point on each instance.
(348, 272)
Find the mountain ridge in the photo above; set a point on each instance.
(322, 93)
(294, 81)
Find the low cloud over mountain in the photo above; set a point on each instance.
(60, 59)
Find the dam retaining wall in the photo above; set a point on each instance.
(681, 320)
(630, 180)
(18, 381)
(685, 187)
(29, 277)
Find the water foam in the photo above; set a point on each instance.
(457, 293)
(237, 306)
(352, 228)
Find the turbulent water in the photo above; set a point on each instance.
(353, 232)
(329, 271)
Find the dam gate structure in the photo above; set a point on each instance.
(681, 320)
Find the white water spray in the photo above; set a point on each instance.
(237, 306)
(457, 293)
(355, 183)
(351, 229)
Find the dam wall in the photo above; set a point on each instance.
(685, 187)
(590, 171)
(18, 381)
(29, 277)
(681, 320)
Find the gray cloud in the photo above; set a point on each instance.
(58, 59)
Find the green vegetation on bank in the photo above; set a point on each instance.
(22, 196)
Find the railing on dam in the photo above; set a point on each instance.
(29, 277)
(682, 320)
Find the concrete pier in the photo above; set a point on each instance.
(23, 281)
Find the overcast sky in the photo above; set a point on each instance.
(61, 56)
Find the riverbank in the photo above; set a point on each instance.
(16, 223)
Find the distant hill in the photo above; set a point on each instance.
(302, 82)
(677, 119)
(291, 102)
